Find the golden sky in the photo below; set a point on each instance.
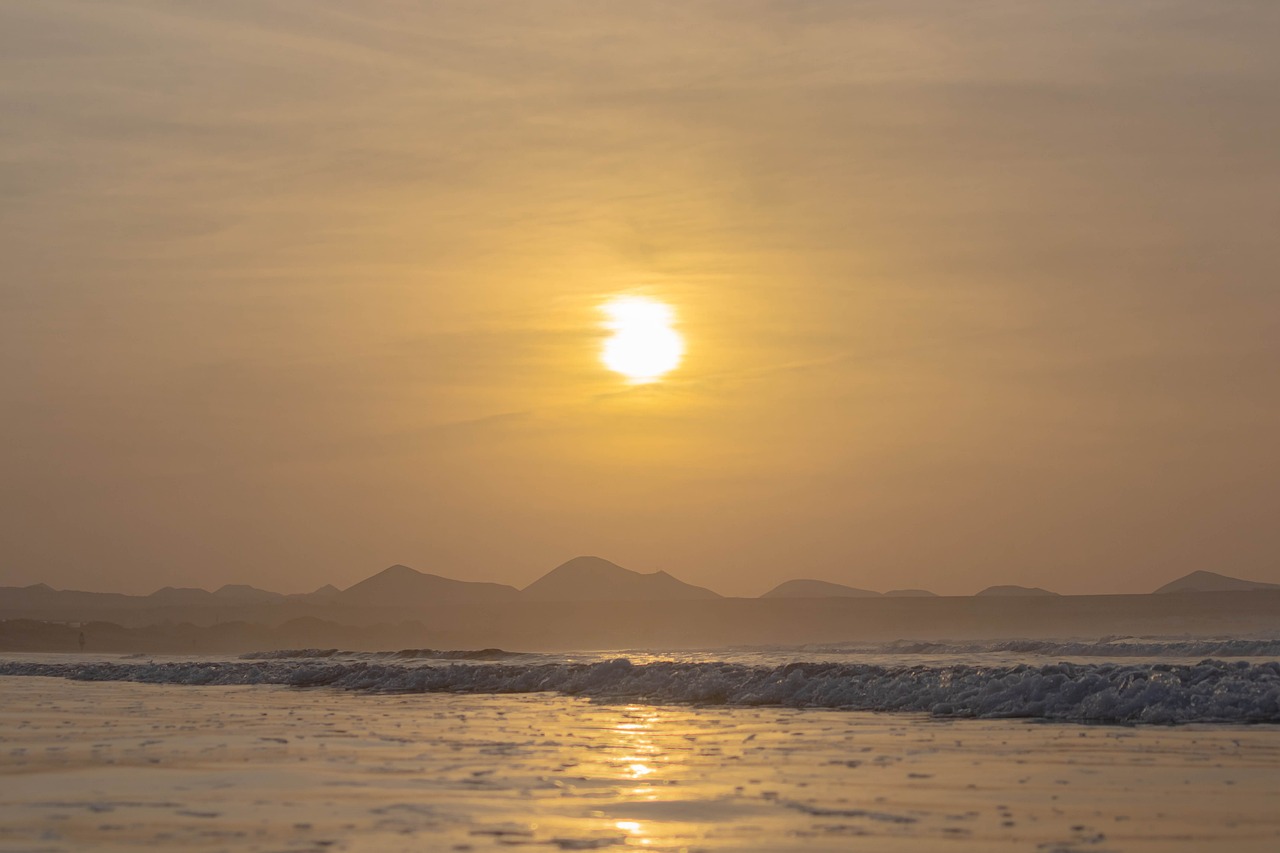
(970, 293)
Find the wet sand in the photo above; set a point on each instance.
(132, 766)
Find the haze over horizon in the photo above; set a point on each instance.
(968, 296)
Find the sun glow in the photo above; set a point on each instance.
(644, 345)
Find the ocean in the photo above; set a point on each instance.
(1124, 744)
(1114, 680)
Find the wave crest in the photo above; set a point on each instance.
(1211, 691)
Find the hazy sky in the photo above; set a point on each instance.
(972, 293)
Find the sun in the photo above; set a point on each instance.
(644, 344)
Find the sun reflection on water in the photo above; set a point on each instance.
(640, 756)
(640, 751)
(638, 770)
(634, 830)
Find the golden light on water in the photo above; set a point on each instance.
(644, 345)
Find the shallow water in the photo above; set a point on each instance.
(128, 766)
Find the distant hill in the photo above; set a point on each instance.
(910, 593)
(239, 593)
(27, 596)
(596, 579)
(806, 588)
(1212, 582)
(1011, 590)
(401, 586)
(170, 595)
(40, 596)
(323, 595)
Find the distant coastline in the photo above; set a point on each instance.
(591, 603)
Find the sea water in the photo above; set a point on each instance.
(1115, 680)
(901, 746)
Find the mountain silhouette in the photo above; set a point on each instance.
(173, 595)
(401, 586)
(1203, 581)
(910, 593)
(326, 593)
(596, 579)
(806, 588)
(1012, 590)
(239, 593)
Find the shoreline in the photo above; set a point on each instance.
(136, 766)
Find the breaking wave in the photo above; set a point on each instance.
(1210, 691)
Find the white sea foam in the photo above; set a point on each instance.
(1210, 691)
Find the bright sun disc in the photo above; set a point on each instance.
(644, 344)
